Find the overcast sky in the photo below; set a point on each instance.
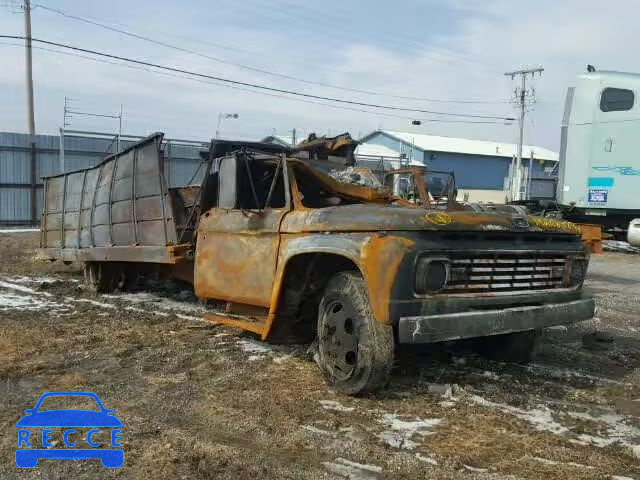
(437, 49)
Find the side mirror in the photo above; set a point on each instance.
(109, 411)
(228, 182)
(29, 410)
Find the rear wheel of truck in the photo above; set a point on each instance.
(355, 352)
(98, 276)
(518, 347)
(125, 277)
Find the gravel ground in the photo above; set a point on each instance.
(205, 401)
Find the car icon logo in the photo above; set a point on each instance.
(76, 427)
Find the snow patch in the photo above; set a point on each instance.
(474, 469)
(540, 418)
(546, 461)
(337, 406)
(491, 375)
(156, 301)
(352, 470)
(567, 374)
(401, 431)
(22, 288)
(424, 459)
(91, 302)
(189, 317)
(253, 346)
(12, 301)
(25, 279)
(616, 429)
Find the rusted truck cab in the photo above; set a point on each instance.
(294, 252)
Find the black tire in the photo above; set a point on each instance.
(125, 276)
(99, 277)
(518, 347)
(355, 352)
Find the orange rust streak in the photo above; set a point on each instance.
(277, 284)
(236, 267)
(379, 261)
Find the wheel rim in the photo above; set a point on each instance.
(339, 339)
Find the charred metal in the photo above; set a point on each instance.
(277, 239)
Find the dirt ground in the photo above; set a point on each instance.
(205, 401)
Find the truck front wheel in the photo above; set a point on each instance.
(355, 352)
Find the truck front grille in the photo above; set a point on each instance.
(505, 272)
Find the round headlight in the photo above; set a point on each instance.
(431, 275)
(578, 272)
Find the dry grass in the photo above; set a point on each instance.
(68, 381)
(487, 439)
(194, 406)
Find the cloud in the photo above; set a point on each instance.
(464, 59)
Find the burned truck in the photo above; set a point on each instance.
(278, 248)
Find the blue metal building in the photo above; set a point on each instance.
(477, 164)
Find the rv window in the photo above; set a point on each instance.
(616, 100)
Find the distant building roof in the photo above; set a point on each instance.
(435, 143)
(284, 140)
(371, 152)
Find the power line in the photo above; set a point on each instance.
(257, 86)
(216, 45)
(390, 115)
(328, 20)
(252, 68)
(272, 15)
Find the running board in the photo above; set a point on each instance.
(252, 324)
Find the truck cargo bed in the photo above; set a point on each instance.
(120, 210)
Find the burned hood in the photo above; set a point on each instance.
(370, 217)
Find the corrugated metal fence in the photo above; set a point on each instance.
(22, 168)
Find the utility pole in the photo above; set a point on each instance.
(521, 96)
(28, 68)
(293, 138)
(30, 113)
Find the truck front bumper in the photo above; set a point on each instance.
(480, 323)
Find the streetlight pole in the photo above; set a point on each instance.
(220, 117)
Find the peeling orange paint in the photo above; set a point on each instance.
(379, 262)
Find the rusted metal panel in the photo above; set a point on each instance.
(379, 260)
(167, 255)
(236, 255)
(123, 201)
